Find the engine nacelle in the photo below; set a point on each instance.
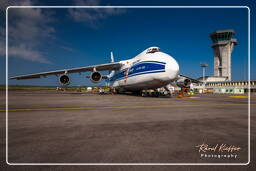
(95, 77)
(64, 79)
(183, 83)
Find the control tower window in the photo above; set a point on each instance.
(153, 50)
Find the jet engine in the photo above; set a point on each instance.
(183, 83)
(95, 77)
(64, 79)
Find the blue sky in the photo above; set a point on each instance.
(50, 39)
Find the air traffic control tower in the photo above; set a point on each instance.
(223, 45)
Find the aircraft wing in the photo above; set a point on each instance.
(192, 79)
(101, 67)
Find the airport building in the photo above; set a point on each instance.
(223, 45)
(233, 87)
(226, 87)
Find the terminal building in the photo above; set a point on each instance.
(222, 87)
(223, 42)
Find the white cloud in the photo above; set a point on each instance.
(29, 26)
(27, 29)
(23, 53)
(66, 48)
(27, 54)
(92, 16)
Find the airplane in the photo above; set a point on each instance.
(151, 69)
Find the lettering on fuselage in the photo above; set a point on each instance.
(137, 61)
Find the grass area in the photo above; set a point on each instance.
(27, 87)
(31, 87)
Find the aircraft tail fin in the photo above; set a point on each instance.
(112, 60)
(112, 57)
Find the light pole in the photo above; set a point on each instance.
(204, 65)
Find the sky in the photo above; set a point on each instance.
(50, 39)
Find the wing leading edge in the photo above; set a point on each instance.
(101, 67)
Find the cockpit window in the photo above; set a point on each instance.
(153, 50)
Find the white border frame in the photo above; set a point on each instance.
(249, 94)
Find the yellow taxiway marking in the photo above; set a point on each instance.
(118, 107)
(238, 96)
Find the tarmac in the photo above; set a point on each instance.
(83, 128)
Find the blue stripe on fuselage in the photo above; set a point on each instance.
(140, 68)
(150, 62)
(141, 73)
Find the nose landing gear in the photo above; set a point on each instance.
(162, 92)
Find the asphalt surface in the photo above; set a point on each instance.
(70, 127)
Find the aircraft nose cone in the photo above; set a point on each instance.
(176, 68)
(172, 69)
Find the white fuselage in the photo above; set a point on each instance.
(148, 70)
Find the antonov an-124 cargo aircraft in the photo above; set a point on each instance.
(151, 69)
